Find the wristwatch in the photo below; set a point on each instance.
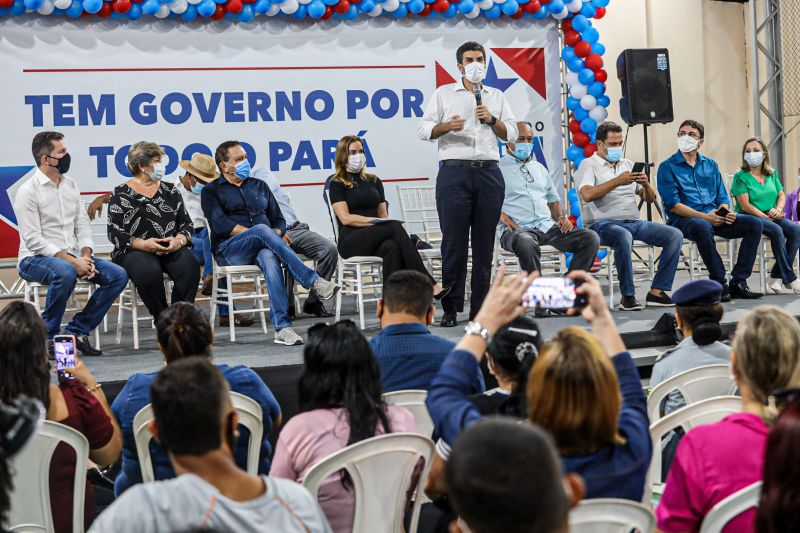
(493, 121)
(476, 328)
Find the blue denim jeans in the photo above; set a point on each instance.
(745, 227)
(620, 235)
(201, 250)
(785, 238)
(60, 277)
(261, 245)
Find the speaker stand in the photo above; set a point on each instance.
(648, 165)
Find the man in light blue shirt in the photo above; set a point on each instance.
(532, 215)
(302, 241)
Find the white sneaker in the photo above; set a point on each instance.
(288, 337)
(776, 286)
(325, 289)
(793, 286)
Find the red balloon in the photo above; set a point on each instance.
(440, 6)
(234, 6)
(532, 6)
(545, 1)
(572, 37)
(594, 62)
(600, 12)
(589, 150)
(355, 1)
(566, 24)
(219, 12)
(426, 10)
(6, 3)
(574, 126)
(342, 6)
(121, 6)
(328, 13)
(248, 1)
(518, 15)
(580, 139)
(583, 49)
(105, 11)
(600, 75)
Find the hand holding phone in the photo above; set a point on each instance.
(65, 355)
(638, 168)
(553, 293)
(722, 211)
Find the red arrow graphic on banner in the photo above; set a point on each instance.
(528, 63)
(442, 77)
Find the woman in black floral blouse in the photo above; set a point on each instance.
(151, 231)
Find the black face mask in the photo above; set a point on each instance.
(63, 163)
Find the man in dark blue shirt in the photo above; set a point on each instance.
(247, 228)
(408, 355)
(697, 203)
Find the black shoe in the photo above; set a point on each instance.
(316, 309)
(241, 321)
(629, 303)
(83, 346)
(726, 294)
(444, 292)
(205, 290)
(662, 300)
(740, 291)
(449, 319)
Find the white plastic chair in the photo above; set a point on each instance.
(32, 293)
(731, 507)
(421, 217)
(250, 416)
(30, 501)
(381, 469)
(696, 384)
(353, 273)
(696, 414)
(129, 302)
(414, 401)
(611, 515)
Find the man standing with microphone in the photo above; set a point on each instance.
(467, 118)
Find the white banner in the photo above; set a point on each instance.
(288, 92)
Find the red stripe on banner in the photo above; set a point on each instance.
(308, 184)
(215, 69)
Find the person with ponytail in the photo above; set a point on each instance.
(184, 331)
(715, 460)
(698, 312)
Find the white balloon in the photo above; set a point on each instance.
(46, 8)
(377, 11)
(578, 91)
(572, 78)
(194, 2)
(163, 11)
(474, 13)
(62, 4)
(588, 102)
(499, 2)
(390, 5)
(290, 6)
(574, 6)
(562, 15)
(304, 1)
(179, 6)
(485, 4)
(273, 10)
(598, 114)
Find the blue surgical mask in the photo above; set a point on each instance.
(613, 154)
(243, 170)
(197, 188)
(522, 151)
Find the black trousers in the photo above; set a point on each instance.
(146, 271)
(468, 200)
(389, 241)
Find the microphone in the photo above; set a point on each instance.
(477, 92)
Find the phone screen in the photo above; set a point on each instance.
(722, 212)
(553, 293)
(637, 168)
(65, 355)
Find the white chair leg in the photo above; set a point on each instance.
(261, 302)
(231, 312)
(360, 296)
(610, 266)
(691, 262)
(762, 265)
(135, 317)
(214, 299)
(120, 310)
(339, 279)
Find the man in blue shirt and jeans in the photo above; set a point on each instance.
(408, 355)
(697, 203)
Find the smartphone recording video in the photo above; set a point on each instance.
(65, 355)
(553, 293)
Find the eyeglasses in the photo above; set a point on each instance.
(691, 134)
(526, 173)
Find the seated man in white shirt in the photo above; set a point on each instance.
(55, 247)
(196, 422)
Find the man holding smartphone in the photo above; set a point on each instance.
(609, 187)
(698, 204)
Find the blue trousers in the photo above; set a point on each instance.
(201, 249)
(785, 238)
(260, 245)
(60, 277)
(620, 235)
(745, 227)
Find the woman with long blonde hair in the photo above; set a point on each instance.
(362, 214)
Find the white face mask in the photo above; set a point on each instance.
(687, 143)
(754, 159)
(356, 162)
(159, 170)
(474, 72)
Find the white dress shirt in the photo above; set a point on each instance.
(476, 141)
(50, 218)
(192, 203)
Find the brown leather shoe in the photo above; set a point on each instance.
(242, 321)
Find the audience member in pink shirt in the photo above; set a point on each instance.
(715, 460)
(340, 383)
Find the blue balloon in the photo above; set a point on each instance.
(73, 11)
(206, 8)
(580, 23)
(556, 6)
(598, 48)
(316, 9)
(18, 8)
(591, 35)
(576, 65)
(580, 114)
(300, 14)
(567, 54)
(430, 2)
(573, 103)
(451, 12)
(600, 3)
(34, 4)
(542, 13)
(135, 12)
(588, 125)
(465, 7)
(493, 12)
(330, 2)
(597, 89)
(593, 137)
(150, 7)
(588, 11)
(577, 162)
(603, 101)
(351, 14)
(92, 6)
(191, 13)
(586, 76)
(402, 11)
(4, 11)
(416, 6)
(509, 7)
(366, 6)
(574, 152)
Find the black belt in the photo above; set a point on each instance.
(469, 163)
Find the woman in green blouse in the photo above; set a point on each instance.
(759, 192)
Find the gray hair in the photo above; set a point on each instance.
(140, 155)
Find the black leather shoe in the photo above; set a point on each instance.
(83, 346)
(242, 321)
(316, 309)
(741, 291)
(726, 294)
(449, 319)
(444, 292)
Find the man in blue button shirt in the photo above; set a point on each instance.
(248, 228)
(532, 215)
(697, 203)
(408, 355)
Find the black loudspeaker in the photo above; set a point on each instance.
(646, 86)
